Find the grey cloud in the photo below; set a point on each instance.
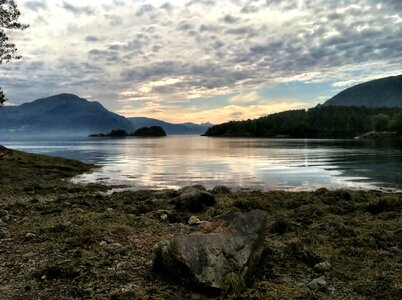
(92, 38)
(146, 72)
(114, 20)
(36, 5)
(119, 2)
(108, 56)
(184, 25)
(167, 6)
(230, 19)
(145, 8)
(209, 28)
(243, 30)
(156, 48)
(35, 65)
(224, 51)
(249, 9)
(201, 2)
(236, 115)
(78, 10)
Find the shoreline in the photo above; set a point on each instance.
(64, 240)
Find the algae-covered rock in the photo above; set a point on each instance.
(194, 199)
(318, 283)
(221, 189)
(230, 244)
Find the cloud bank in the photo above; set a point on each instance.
(191, 59)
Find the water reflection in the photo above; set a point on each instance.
(262, 164)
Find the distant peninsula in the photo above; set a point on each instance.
(371, 110)
(153, 131)
(333, 122)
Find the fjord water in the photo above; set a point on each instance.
(240, 163)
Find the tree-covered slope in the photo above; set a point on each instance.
(318, 122)
(384, 92)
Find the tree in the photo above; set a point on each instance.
(380, 122)
(9, 15)
(396, 123)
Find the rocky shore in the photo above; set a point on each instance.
(60, 240)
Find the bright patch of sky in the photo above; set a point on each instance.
(202, 60)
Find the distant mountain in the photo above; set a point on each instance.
(63, 114)
(384, 92)
(171, 129)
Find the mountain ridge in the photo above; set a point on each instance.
(170, 128)
(68, 114)
(382, 92)
(62, 114)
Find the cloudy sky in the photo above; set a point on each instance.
(202, 60)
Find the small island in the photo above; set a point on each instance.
(153, 131)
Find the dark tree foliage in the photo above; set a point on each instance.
(9, 15)
(118, 133)
(318, 122)
(2, 97)
(381, 122)
(150, 131)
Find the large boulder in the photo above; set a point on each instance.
(205, 259)
(194, 199)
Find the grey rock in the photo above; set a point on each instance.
(194, 221)
(221, 189)
(161, 214)
(194, 199)
(323, 266)
(203, 259)
(317, 283)
(30, 235)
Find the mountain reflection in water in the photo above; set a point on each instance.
(263, 164)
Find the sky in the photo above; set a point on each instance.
(202, 60)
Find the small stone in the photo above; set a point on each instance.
(109, 209)
(29, 255)
(194, 199)
(194, 221)
(30, 235)
(395, 249)
(318, 283)
(103, 243)
(164, 217)
(116, 245)
(6, 218)
(323, 266)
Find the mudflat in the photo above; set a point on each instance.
(67, 241)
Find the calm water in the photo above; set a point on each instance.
(263, 164)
